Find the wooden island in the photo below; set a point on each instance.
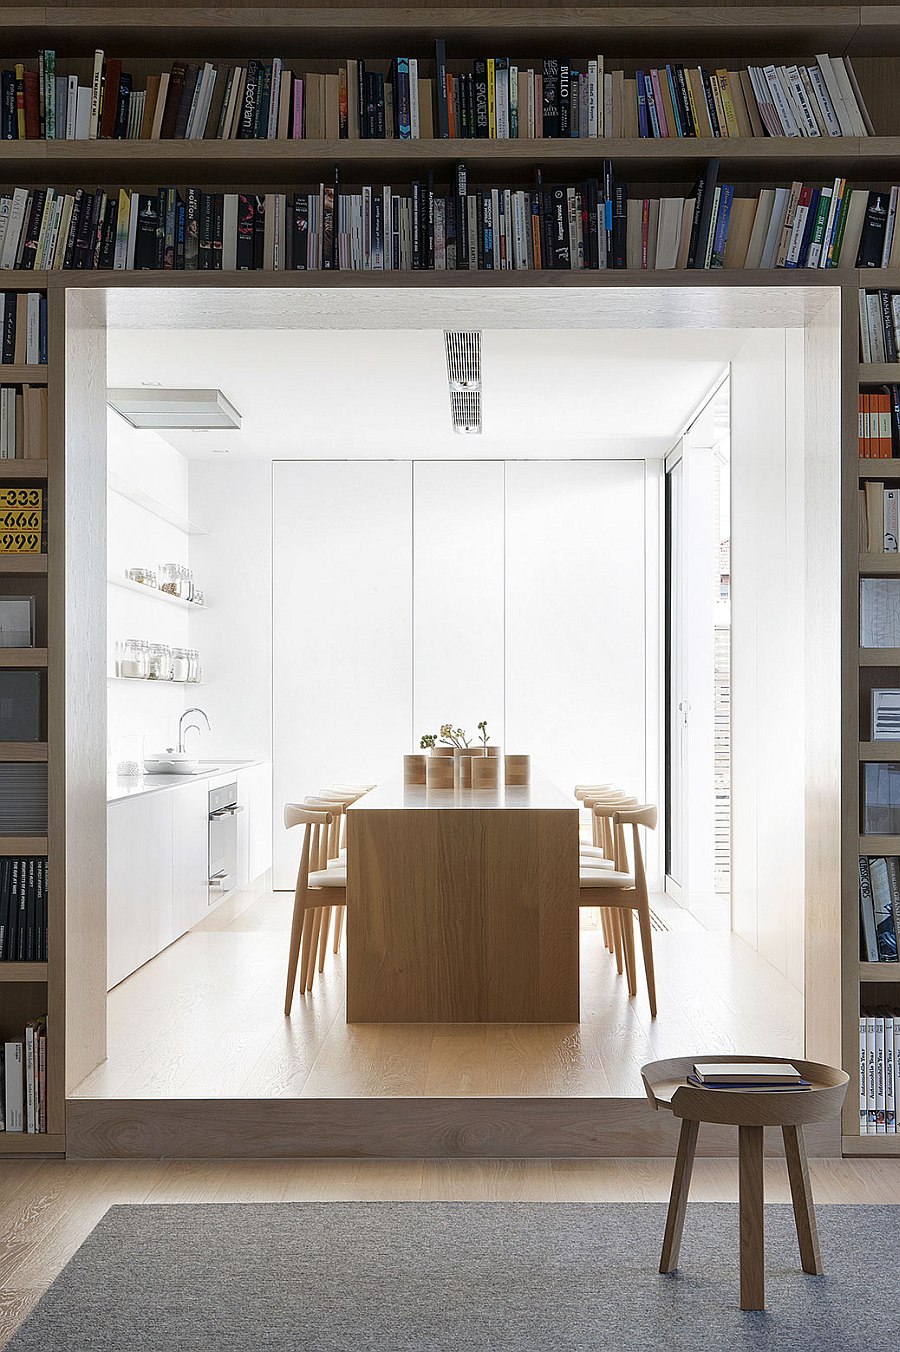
(462, 905)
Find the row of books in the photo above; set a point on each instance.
(23, 909)
(879, 521)
(879, 321)
(23, 325)
(23, 423)
(489, 97)
(879, 437)
(23, 1082)
(879, 1070)
(879, 908)
(591, 225)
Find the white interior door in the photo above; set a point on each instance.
(342, 629)
(677, 703)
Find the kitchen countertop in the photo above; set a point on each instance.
(117, 789)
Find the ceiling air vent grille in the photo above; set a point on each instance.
(463, 349)
(166, 409)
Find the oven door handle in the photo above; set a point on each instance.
(226, 811)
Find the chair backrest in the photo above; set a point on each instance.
(314, 854)
(337, 807)
(614, 817)
(602, 825)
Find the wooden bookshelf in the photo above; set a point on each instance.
(879, 751)
(879, 565)
(27, 658)
(23, 751)
(29, 565)
(17, 972)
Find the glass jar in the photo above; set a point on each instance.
(145, 576)
(159, 662)
(133, 663)
(194, 671)
(171, 579)
(197, 596)
(180, 664)
(188, 584)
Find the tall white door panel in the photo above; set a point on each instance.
(342, 629)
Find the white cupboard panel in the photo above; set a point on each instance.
(190, 860)
(342, 630)
(139, 881)
(458, 596)
(575, 619)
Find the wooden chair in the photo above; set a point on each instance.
(336, 858)
(600, 853)
(625, 893)
(318, 889)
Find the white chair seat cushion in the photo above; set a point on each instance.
(602, 877)
(592, 852)
(586, 861)
(339, 860)
(329, 877)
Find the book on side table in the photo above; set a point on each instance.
(777, 1075)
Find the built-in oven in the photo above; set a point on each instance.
(223, 840)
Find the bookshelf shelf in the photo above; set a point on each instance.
(879, 373)
(882, 750)
(22, 971)
(887, 1145)
(23, 469)
(27, 658)
(153, 593)
(875, 845)
(41, 1143)
(879, 469)
(879, 657)
(23, 751)
(879, 565)
(24, 375)
(24, 845)
(28, 564)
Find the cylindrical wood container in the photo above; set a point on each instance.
(439, 772)
(485, 772)
(414, 768)
(518, 769)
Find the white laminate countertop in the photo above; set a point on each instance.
(117, 789)
(393, 795)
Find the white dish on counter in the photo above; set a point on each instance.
(175, 763)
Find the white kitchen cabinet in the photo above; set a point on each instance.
(139, 881)
(190, 858)
(255, 793)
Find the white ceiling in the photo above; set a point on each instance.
(356, 393)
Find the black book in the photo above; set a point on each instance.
(191, 74)
(123, 107)
(30, 914)
(328, 230)
(261, 126)
(574, 103)
(204, 246)
(108, 237)
(563, 101)
(9, 126)
(700, 223)
(887, 323)
(377, 235)
(12, 932)
(380, 125)
(192, 229)
(259, 231)
(440, 75)
(361, 100)
(22, 911)
(711, 104)
(480, 87)
(619, 226)
(487, 229)
(370, 110)
(180, 229)
(871, 242)
(590, 195)
(161, 229)
(9, 326)
(894, 392)
(32, 228)
(246, 230)
(300, 231)
(218, 230)
(551, 98)
(87, 231)
(684, 103)
(429, 220)
(97, 238)
(146, 233)
(416, 226)
(468, 92)
(560, 253)
(4, 909)
(450, 233)
(45, 912)
(77, 208)
(248, 108)
(462, 218)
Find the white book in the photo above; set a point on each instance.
(33, 333)
(876, 331)
(601, 85)
(14, 228)
(797, 231)
(61, 221)
(808, 124)
(890, 1085)
(895, 315)
(871, 1112)
(40, 257)
(196, 99)
(607, 125)
(96, 90)
(71, 108)
(31, 1124)
(414, 98)
(863, 1106)
(131, 238)
(203, 121)
(760, 229)
(765, 106)
(669, 235)
(829, 222)
(865, 342)
(812, 101)
(879, 1075)
(593, 100)
(5, 208)
(501, 97)
(868, 127)
(823, 99)
(229, 231)
(4, 422)
(834, 93)
(854, 112)
(891, 507)
(891, 226)
(14, 1086)
(274, 99)
(776, 225)
(896, 1072)
(780, 100)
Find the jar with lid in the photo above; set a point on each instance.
(159, 662)
(146, 576)
(133, 663)
(180, 664)
(194, 670)
(172, 579)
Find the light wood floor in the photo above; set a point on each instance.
(204, 1020)
(47, 1208)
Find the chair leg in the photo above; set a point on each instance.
(681, 1182)
(323, 935)
(626, 923)
(643, 912)
(338, 927)
(301, 926)
(604, 922)
(617, 938)
(801, 1194)
(313, 948)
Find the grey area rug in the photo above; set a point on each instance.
(489, 1277)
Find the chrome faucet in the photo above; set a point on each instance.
(183, 731)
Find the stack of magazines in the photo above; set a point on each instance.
(759, 1075)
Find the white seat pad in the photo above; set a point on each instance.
(588, 862)
(593, 851)
(329, 877)
(602, 877)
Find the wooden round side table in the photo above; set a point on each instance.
(750, 1111)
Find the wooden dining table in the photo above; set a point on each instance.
(462, 905)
